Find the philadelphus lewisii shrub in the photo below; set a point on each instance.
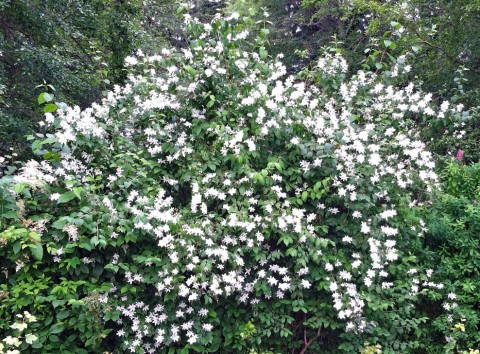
(220, 191)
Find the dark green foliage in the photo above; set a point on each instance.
(448, 33)
(453, 244)
(462, 181)
(64, 298)
(78, 46)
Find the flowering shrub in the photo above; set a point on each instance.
(215, 203)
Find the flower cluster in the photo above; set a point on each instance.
(9, 343)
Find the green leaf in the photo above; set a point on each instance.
(37, 345)
(41, 99)
(263, 54)
(57, 328)
(61, 105)
(19, 188)
(77, 191)
(51, 107)
(34, 236)
(37, 144)
(395, 25)
(45, 97)
(191, 71)
(16, 247)
(387, 43)
(60, 223)
(37, 251)
(85, 246)
(62, 315)
(73, 262)
(66, 197)
(10, 214)
(97, 271)
(53, 338)
(112, 267)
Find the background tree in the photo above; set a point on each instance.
(78, 46)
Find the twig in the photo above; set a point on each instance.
(310, 342)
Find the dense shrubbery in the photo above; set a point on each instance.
(452, 243)
(211, 204)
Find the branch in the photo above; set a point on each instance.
(440, 49)
(310, 342)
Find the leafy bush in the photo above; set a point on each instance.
(211, 204)
(452, 244)
(462, 181)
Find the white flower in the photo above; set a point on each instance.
(131, 61)
(365, 228)
(388, 214)
(12, 341)
(20, 326)
(193, 339)
(444, 106)
(345, 275)
(389, 231)
(306, 284)
(357, 214)
(207, 327)
(375, 159)
(30, 338)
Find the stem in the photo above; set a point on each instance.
(310, 342)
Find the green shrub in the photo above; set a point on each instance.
(452, 244)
